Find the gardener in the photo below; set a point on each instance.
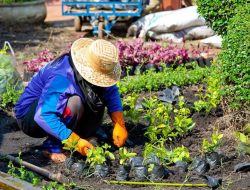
(66, 99)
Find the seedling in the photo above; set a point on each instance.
(132, 114)
(213, 145)
(166, 156)
(125, 155)
(244, 145)
(98, 155)
(70, 146)
(182, 122)
(22, 173)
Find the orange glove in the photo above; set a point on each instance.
(82, 145)
(120, 133)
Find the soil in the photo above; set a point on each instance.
(27, 41)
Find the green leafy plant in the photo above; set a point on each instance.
(218, 13)
(150, 104)
(98, 155)
(213, 93)
(151, 81)
(125, 155)
(70, 146)
(11, 95)
(22, 173)
(182, 121)
(54, 185)
(132, 113)
(244, 145)
(14, 1)
(166, 156)
(213, 144)
(234, 59)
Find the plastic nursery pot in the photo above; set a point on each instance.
(199, 165)
(208, 61)
(136, 161)
(122, 173)
(213, 159)
(140, 172)
(181, 166)
(148, 67)
(101, 170)
(212, 182)
(158, 173)
(132, 70)
(152, 159)
(78, 168)
(69, 162)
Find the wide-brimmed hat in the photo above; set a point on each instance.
(96, 61)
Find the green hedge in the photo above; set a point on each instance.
(13, 1)
(218, 12)
(235, 58)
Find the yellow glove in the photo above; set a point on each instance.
(82, 145)
(120, 133)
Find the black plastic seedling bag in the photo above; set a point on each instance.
(141, 173)
(101, 170)
(122, 173)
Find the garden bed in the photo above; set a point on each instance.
(30, 149)
(57, 40)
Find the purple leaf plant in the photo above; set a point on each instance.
(137, 52)
(36, 64)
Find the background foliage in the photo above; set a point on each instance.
(218, 12)
(235, 58)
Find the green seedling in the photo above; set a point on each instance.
(98, 155)
(125, 155)
(11, 95)
(182, 122)
(132, 114)
(166, 156)
(22, 173)
(244, 145)
(70, 146)
(150, 104)
(212, 96)
(213, 144)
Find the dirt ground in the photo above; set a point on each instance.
(27, 41)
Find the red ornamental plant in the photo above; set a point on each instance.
(136, 52)
(37, 63)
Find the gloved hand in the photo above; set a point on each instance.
(82, 145)
(120, 133)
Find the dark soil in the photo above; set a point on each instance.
(27, 41)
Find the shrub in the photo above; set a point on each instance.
(235, 58)
(13, 1)
(218, 12)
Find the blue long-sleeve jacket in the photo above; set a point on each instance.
(52, 86)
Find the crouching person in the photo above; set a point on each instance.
(66, 99)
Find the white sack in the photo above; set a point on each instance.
(144, 22)
(192, 33)
(198, 32)
(176, 37)
(213, 41)
(176, 21)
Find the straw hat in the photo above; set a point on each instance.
(96, 61)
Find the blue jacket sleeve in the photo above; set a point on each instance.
(50, 107)
(112, 99)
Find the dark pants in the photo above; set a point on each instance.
(84, 122)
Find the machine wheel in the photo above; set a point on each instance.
(78, 23)
(100, 29)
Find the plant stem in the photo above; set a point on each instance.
(158, 184)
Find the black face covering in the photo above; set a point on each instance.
(91, 92)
